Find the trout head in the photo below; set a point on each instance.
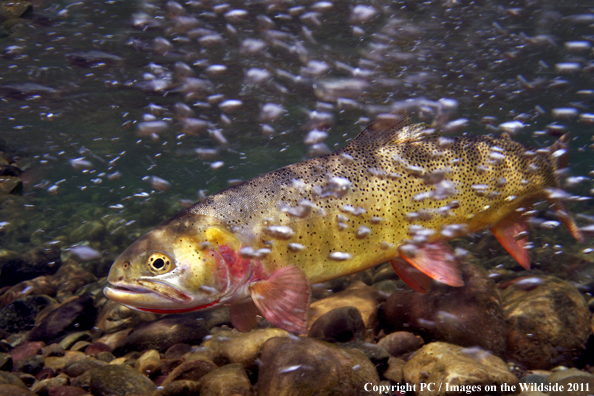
(185, 264)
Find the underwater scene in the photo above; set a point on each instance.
(283, 197)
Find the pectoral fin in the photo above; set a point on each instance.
(506, 232)
(411, 276)
(244, 316)
(436, 260)
(284, 299)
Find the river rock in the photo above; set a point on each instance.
(11, 379)
(180, 388)
(148, 363)
(30, 365)
(190, 370)
(20, 314)
(66, 391)
(581, 382)
(177, 351)
(42, 387)
(71, 279)
(441, 363)
(42, 260)
(25, 350)
(72, 338)
(468, 316)
(162, 334)
(547, 322)
(79, 367)
(365, 298)
(230, 379)
(306, 366)
(228, 346)
(394, 372)
(119, 380)
(5, 361)
(75, 315)
(59, 363)
(114, 317)
(400, 342)
(339, 325)
(42, 285)
(12, 390)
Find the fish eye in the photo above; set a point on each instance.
(159, 263)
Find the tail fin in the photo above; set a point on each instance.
(560, 158)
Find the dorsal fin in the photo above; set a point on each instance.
(390, 131)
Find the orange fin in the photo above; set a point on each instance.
(284, 299)
(436, 260)
(567, 221)
(411, 276)
(506, 231)
(244, 316)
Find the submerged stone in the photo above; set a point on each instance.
(442, 363)
(77, 314)
(163, 333)
(546, 325)
(339, 325)
(119, 380)
(365, 298)
(230, 379)
(42, 260)
(470, 315)
(306, 366)
(234, 347)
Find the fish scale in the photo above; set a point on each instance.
(385, 197)
(396, 193)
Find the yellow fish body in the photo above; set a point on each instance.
(395, 193)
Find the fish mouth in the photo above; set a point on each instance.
(145, 294)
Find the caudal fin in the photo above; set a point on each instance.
(560, 158)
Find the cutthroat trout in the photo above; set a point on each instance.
(396, 193)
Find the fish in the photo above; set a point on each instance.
(397, 193)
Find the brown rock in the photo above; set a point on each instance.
(468, 316)
(228, 380)
(395, 370)
(177, 351)
(11, 379)
(149, 362)
(163, 333)
(25, 350)
(547, 323)
(440, 363)
(66, 391)
(180, 388)
(231, 346)
(339, 325)
(306, 366)
(365, 298)
(119, 380)
(12, 390)
(114, 317)
(191, 370)
(97, 347)
(400, 342)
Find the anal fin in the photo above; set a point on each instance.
(506, 232)
(244, 316)
(284, 299)
(411, 276)
(436, 260)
